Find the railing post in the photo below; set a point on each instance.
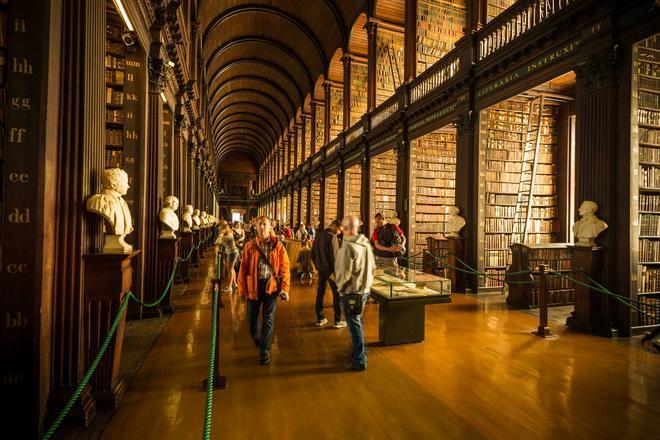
(543, 331)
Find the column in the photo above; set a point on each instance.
(347, 60)
(308, 214)
(372, 48)
(467, 193)
(410, 41)
(312, 106)
(303, 139)
(327, 87)
(154, 171)
(365, 190)
(403, 185)
(341, 189)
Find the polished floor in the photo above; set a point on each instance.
(480, 374)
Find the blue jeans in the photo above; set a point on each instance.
(354, 323)
(268, 304)
(324, 278)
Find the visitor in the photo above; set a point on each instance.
(324, 251)
(301, 233)
(304, 261)
(387, 240)
(230, 252)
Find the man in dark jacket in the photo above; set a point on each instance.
(324, 251)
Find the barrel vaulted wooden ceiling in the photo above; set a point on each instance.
(265, 59)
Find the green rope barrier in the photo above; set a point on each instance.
(162, 296)
(95, 363)
(209, 389)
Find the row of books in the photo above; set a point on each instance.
(433, 199)
(353, 185)
(434, 182)
(114, 136)
(648, 279)
(651, 310)
(649, 135)
(114, 158)
(649, 154)
(649, 202)
(653, 42)
(550, 254)
(649, 224)
(441, 164)
(649, 69)
(114, 62)
(648, 99)
(554, 264)
(336, 111)
(115, 116)
(114, 97)
(512, 188)
(495, 278)
(439, 192)
(497, 241)
(506, 199)
(502, 130)
(510, 211)
(497, 258)
(645, 54)
(506, 225)
(649, 176)
(649, 117)
(495, 154)
(649, 250)
(320, 126)
(114, 76)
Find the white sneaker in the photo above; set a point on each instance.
(339, 324)
(321, 322)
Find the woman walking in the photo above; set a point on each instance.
(230, 251)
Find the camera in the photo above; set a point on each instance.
(128, 38)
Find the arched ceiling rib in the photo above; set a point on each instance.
(262, 61)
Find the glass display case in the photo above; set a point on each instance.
(402, 295)
(403, 282)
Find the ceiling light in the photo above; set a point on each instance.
(124, 15)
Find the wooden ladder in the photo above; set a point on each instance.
(393, 65)
(528, 165)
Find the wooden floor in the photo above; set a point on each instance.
(479, 374)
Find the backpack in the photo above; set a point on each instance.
(388, 236)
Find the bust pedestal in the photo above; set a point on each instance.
(184, 248)
(449, 248)
(107, 279)
(167, 255)
(591, 313)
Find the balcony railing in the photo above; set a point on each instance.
(516, 21)
(385, 110)
(354, 132)
(435, 76)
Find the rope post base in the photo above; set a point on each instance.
(543, 331)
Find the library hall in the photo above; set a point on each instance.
(322, 219)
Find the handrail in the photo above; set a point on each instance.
(436, 75)
(516, 21)
(354, 132)
(385, 110)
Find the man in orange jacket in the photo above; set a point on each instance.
(264, 275)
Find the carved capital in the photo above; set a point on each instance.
(597, 71)
(157, 75)
(465, 125)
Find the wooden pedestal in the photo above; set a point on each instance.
(107, 278)
(184, 248)
(591, 314)
(448, 249)
(167, 255)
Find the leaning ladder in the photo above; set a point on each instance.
(393, 65)
(528, 164)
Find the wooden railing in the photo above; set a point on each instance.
(385, 110)
(332, 147)
(435, 76)
(355, 131)
(516, 21)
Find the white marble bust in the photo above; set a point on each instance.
(589, 226)
(203, 217)
(196, 220)
(187, 218)
(110, 205)
(454, 223)
(169, 222)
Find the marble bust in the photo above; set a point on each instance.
(110, 205)
(187, 218)
(454, 223)
(203, 217)
(169, 222)
(196, 220)
(589, 226)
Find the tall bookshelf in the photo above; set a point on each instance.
(299, 143)
(295, 219)
(336, 111)
(353, 190)
(316, 203)
(389, 63)
(383, 191)
(308, 137)
(331, 199)
(286, 203)
(646, 158)
(303, 204)
(496, 7)
(503, 129)
(359, 84)
(279, 205)
(432, 185)
(440, 24)
(115, 81)
(320, 126)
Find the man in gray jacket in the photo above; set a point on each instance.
(354, 273)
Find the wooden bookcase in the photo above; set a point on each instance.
(555, 256)
(440, 24)
(168, 151)
(502, 132)
(353, 187)
(432, 185)
(336, 111)
(320, 126)
(303, 204)
(295, 219)
(331, 199)
(115, 82)
(646, 159)
(316, 203)
(359, 84)
(383, 191)
(308, 138)
(389, 63)
(496, 7)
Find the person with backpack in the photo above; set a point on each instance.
(264, 276)
(324, 250)
(388, 242)
(354, 272)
